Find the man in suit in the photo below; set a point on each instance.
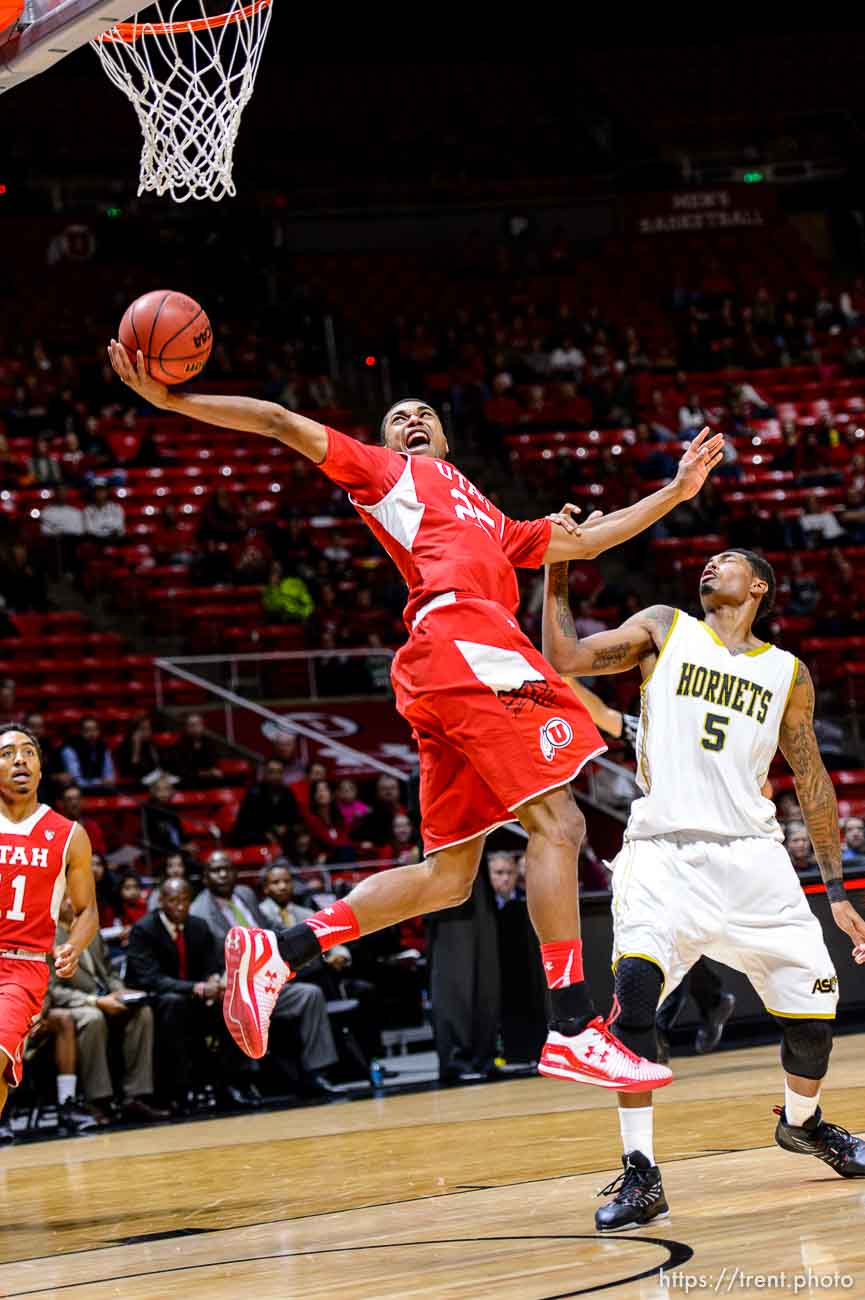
(222, 904)
(175, 957)
(94, 997)
(523, 986)
(269, 809)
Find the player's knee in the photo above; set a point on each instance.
(556, 818)
(806, 1046)
(638, 990)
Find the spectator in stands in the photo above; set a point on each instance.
(278, 902)
(87, 758)
(286, 599)
(326, 824)
(104, 518)
(567, 361)
(64, 522)
(347, 803)
(503, 878)
(174, 868)
(852, 517)
(22, 583)
(194, 760)
(8, 703)
(133, 899)
(107, 898)
(798, 846)
(284, 747)
(176, 958)
(523, 995)
(269, 809)
(72, 805)
(375, 828)
(853, 854)
(405, 845)
(43, 467)
(162, 829)
(819, 525)
(321, 391)
(222, 904)
(692, 417)
(220, 519)
(788, 808)
(7, 626)
(302, 850)
(96, 998)
(136, 757)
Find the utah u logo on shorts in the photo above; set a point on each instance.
(555, 734)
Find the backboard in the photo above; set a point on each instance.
(48, 30)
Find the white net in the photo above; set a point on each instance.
(189, 80)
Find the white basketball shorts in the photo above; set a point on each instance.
(677, 898)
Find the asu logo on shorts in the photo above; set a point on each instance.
(555, 734)
(826, 985)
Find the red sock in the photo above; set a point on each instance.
(335, 924)
(563, 963)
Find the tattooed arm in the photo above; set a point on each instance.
(817, 800)
(636, 642)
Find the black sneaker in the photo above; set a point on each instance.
(709, 1033)
(828, 1142)
(71, 1119)
(639, 1196)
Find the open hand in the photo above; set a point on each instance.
(848, 919)
(698, 462)
(136, 375)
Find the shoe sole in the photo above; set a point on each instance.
(632, 1085)
(237, 980)
(630, 1227)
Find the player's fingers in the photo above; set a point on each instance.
(596, 514)
(570, 509)
(713, 445)
(716, 460)
(700, 438)
(139, 365)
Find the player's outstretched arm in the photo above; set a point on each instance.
(81, 889)
(816, 796)
(600, 533)
(635, 643)
(247, 414)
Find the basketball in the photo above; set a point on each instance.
(172, 331)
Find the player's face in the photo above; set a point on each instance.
(728, 579)
(20, 769)
(415, 428)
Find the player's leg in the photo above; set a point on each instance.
(788, 963)
(259, 961)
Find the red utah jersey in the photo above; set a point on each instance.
(32, 878)
(440, 531)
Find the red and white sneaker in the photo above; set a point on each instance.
(596, 1056)
(254, 975)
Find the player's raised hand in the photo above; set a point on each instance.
(699, 460)
(567, 518)
(66, 960)
(136, 375)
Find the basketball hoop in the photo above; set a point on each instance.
(189, 80)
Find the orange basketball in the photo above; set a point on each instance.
(171, 330)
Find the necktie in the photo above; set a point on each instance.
(180, 940)
(239, 915)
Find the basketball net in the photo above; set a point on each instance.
(189, 80)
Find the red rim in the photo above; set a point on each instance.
(131, 32)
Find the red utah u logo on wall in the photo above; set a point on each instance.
(555, 734)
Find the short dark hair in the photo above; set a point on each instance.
(25, 731)
(762, 569)
(392, 407)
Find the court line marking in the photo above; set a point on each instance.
(118, 1243)
(678, 1253)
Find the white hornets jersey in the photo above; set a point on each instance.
(708, 732)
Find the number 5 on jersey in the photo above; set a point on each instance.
(714, 735)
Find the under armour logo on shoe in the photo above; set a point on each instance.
(271, 978)
(590, 1051)
(604, 1056)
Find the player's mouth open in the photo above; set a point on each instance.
(417, 438)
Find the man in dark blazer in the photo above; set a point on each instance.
(175, 957)
(223, 903)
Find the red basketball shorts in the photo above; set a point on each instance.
(495, 724)
(22, 992)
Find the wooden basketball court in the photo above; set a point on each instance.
(476, 1192)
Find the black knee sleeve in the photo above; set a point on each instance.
(805, 1046)
(638, 988)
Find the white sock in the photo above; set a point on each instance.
(66, 1086)
(798, 1108)
(635, 1123)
